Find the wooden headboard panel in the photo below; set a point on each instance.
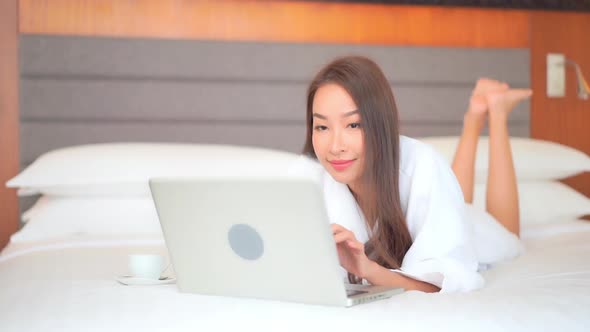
(9, 152)
(278, 21)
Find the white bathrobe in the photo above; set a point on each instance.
(451, 239)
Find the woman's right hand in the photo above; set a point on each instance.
(351, 252)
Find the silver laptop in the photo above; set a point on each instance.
(259, 238)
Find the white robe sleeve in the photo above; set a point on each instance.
(442, 252)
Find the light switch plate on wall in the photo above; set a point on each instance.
(555, 75)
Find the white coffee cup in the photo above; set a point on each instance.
(146, 266)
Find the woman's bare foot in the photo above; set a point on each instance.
(478, 104)
(501, 103)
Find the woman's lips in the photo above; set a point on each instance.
(341, 165)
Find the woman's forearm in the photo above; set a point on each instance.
(380, 276)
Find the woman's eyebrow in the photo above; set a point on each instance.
(347, 114)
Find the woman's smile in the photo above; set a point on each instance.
(341, 165)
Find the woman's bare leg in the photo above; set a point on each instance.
(464, 160)
(473, 122)
(502, 191)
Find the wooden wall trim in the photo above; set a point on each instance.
(563, 120)
(8, 117)
(279, 21)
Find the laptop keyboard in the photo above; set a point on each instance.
(351, 292)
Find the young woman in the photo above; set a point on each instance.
(413, 228)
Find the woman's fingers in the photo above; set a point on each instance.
(344, 236)
(356, 246)
(348, 239)
(337, 228)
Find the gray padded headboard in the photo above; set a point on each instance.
(77, 90)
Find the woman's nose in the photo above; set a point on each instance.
(338, 143)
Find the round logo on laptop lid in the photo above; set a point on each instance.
(245, 241)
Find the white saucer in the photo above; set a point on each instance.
(131, 281)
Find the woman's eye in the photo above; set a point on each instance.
(355, 125)
(320, 128)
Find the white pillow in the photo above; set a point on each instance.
(533, 159)
(124, 169)
(542, 202)
(57, 217)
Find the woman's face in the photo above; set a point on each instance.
(337, 134)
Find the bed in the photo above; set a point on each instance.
(69, 285)
(58, 272)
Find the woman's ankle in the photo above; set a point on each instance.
(473, 121)
(499, 116)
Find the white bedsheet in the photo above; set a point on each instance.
(69, 285)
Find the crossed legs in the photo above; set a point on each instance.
(493, 101)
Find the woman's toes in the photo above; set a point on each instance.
(520, 94)
(506, 100)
